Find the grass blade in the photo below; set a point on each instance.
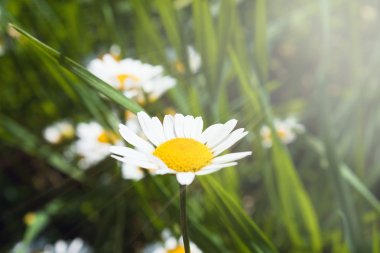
(82, 73)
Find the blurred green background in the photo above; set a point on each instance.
(261, 60)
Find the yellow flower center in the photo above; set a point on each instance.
(178, 249)
(123, 77)
(107, 137)
(184, 154)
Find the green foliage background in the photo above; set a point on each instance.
(260, 59)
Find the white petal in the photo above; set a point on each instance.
(148, 127)
(169, 127)
(170, 243)
(164, 171)
(210, 132)
(135, 162)
(75, 246)
(60, 246)
(159, 130)
(135, 140)
(230, 157)
(178, 125)
(131, 172)
(185, 178)
(197, 129)
(234, 137)
(188, 126)
(128, 152)
(222, 134)
(213, 168)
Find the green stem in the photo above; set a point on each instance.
(183, 218)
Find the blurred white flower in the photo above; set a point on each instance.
(75, 246)
(115, 51)
(134, 78)
(287, 131)
(59, 131)
(194, 60)
(93, 143)
(295, 125)
(368, 13)
(131, 172)
(170, 245)
(20, 248)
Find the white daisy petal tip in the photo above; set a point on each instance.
(142, 114)
(121, 125)
(121, 159)
(214, 168)
(232, 122)
(185, 178)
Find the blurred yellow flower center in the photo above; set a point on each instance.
(123, 77)
(29, 218)
(179, 249)
(68, 132)
(281, 134)
(179, 67)
(184, 154)
(107, 137)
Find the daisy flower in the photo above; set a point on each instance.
(286, 130)
(295, 125)
(59, 131)
(135, 79)
(170, 245)
(180, 146)
(75, 246)
(194, 60)
(93, 143)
